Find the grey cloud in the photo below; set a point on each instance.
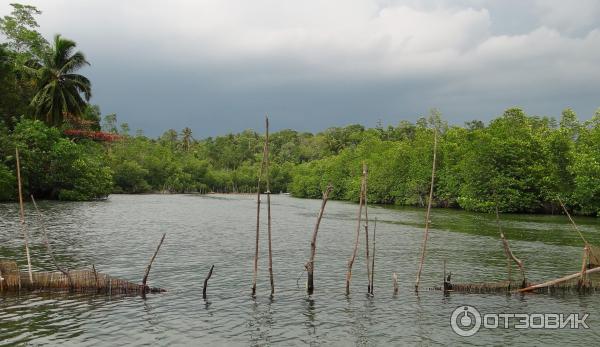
(218, 66)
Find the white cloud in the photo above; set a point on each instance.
(569, 16)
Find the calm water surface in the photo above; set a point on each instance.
(119, 236)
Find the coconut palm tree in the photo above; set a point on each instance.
(186, 138)
(60, 90)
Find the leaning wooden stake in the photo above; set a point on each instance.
(144, 287)
(364, 193)
(426, 234)
(353, 257)
(310, 265)
(206, 282)
(22, 216)
(558, 280)
(395, 282)
(572, 221)
(373, 259)
(586, 247)
(586, 253)
(269, 205)
(47, 243)
(260, 171)
(509, 254)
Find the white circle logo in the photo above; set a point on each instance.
(465, 321)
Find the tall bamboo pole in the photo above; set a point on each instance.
(426, 234)
(22, 216)
(373, 258)
(269, 205)
(260, 171)
(358, 225)
(365, 178)
(310, 265)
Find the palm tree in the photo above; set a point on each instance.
(186, 138)
(61, 91)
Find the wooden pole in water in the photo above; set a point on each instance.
(583, 265)
(269, 205)
(373, 259)
(395, 282)
(586, 248)
(206, 282)
(95, 277)
(558, 280)
(571, 219)
(426, 234)
(509, 254)
(258, 221)
(47, 243)
(310, 265)
(364, 193)
(22, 216)
(144, 287)
(353, 257)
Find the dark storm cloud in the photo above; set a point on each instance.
(219, 66)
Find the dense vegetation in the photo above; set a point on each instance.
(523, 162)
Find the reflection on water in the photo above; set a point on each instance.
(119, 236)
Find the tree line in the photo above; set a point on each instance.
(70, 151)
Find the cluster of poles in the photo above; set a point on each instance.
(362, 224)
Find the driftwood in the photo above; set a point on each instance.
(310, 265)
(426, 234)
(558, 280)
(353, 257)
(269, 206)
(22, 215)
(47, 243)
(206, 282)
(144, 287)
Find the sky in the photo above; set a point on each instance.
(218, 66)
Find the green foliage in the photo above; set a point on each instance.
(16, 89)
(521, 162)
(52, 166)
(8, 183)
(20, 31)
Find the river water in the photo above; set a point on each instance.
(120, 234)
